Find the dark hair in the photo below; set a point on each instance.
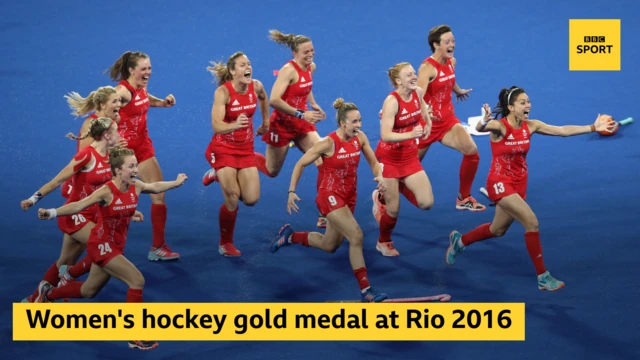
(120, 69)
(435, 34)
(222, 72)
(507, 97)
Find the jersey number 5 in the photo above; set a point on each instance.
(498, 187)
(213, 158)
(104, 249)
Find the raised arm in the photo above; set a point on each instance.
(160, 186)
(76, 164)
(102, 195)
(488, 123)
(602, 123)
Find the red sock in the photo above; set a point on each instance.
(468, 170)
(320, 176)
(361, 276)
(69, 291)
(301, 238)
(134, 295)
(387, 224)
(404, 190)
(480, 233)
(80, 268)
(532, 240)
(158, 222)
(261, 164)
(51, 276)
(227, 221)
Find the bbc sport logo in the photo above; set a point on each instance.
(594, 45)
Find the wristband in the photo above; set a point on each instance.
(593, 128)
(52, 214)
(35, 197)
(483, 123)
(300, 114)
(291, 191)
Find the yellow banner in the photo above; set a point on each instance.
(594, 44)
(268, 321)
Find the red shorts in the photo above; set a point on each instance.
(72, 223)
(217, 160)
(399, 169)
(499, 189)
(284, 129)
(66, 188)
(439, 129)
(101, 252)
(143, 149)
(329, 201)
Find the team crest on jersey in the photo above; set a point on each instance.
(355, 143)
(133, 198)
(416, 102)
(251, 97)
(524, 133)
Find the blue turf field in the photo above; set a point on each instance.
(583, 189)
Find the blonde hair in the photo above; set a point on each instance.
(291, 40)
(394, 72)
(83, 106)
(97, 129)
(116, 158)
(343, 108)
(222, 72)
(120, 69)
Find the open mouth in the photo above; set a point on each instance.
(145, 77)
(526, 113)
(247, 74)
(450, 51)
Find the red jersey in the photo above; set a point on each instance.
(67, 186)
(408, 116)
(113, 222)
(438, 92)
(133, 116)
(509, 155)
(296, 94)
(240, 141)
(86, 181)
(340, 173)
